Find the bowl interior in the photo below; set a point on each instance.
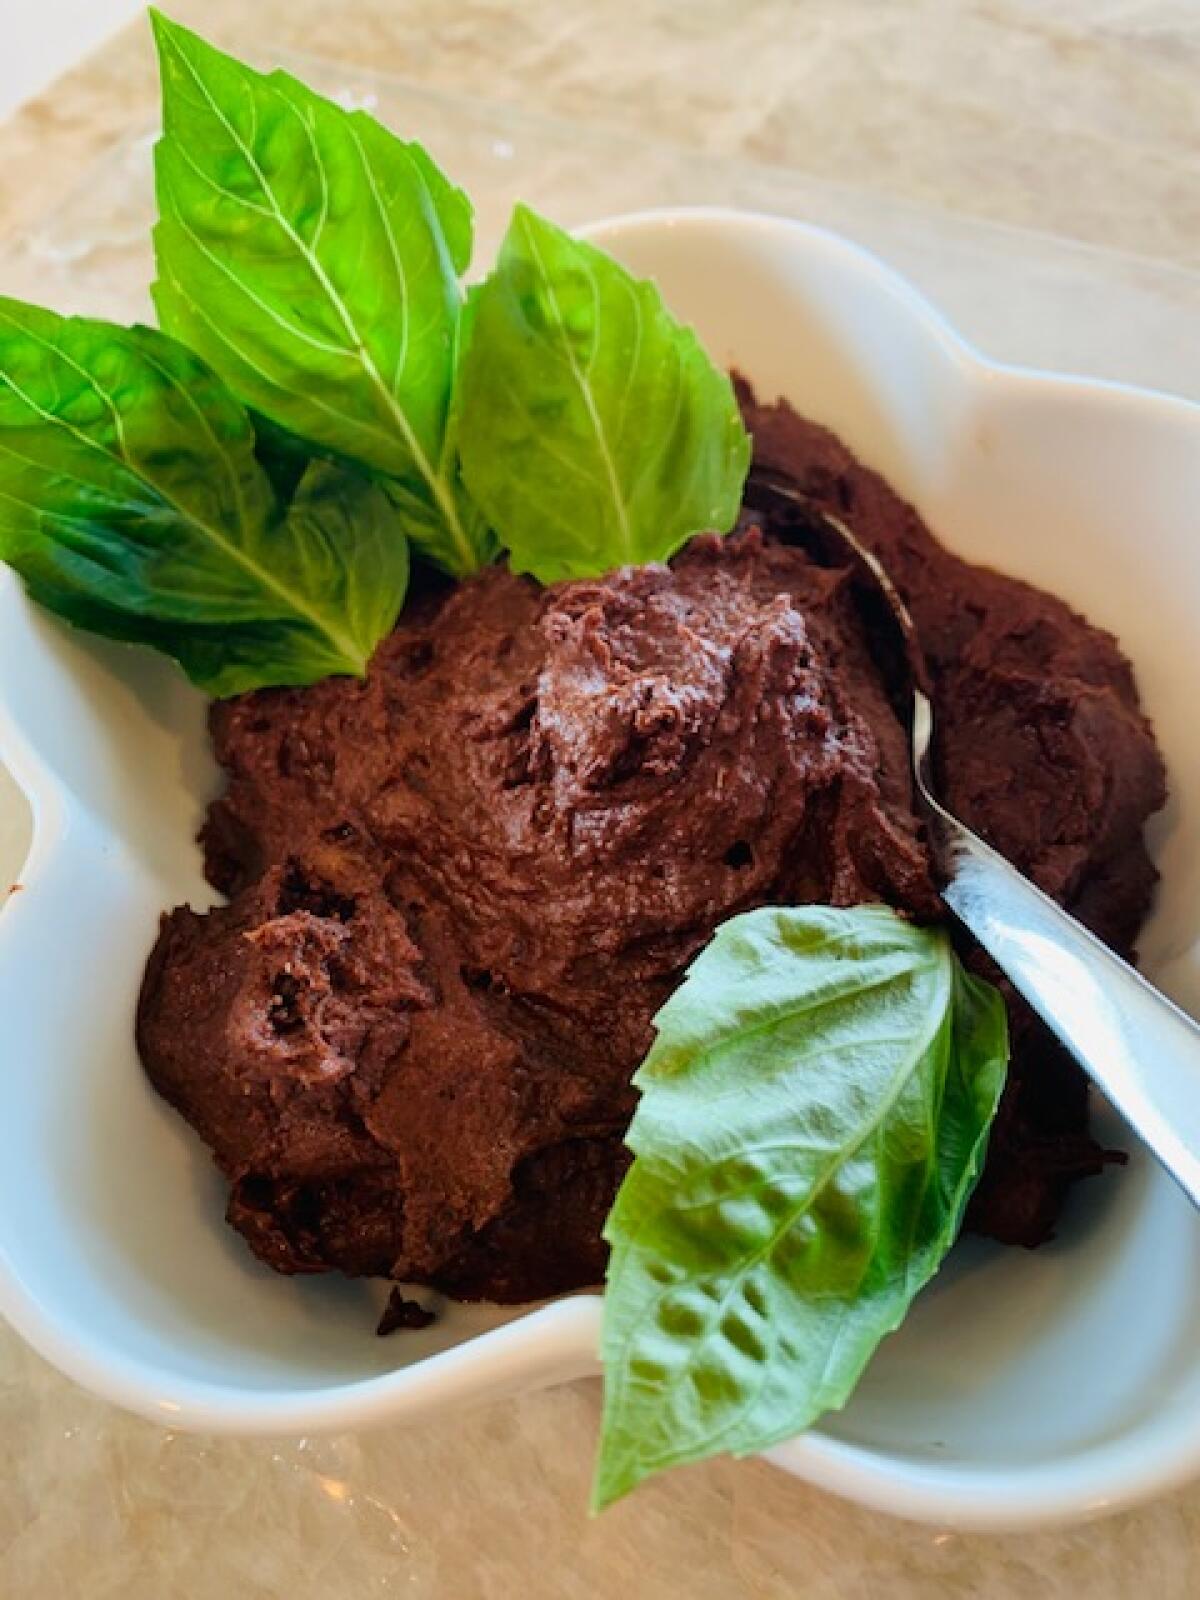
(1011, 1359)
(111, 1223)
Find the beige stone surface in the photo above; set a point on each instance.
(1081, 117)
(489, 1505)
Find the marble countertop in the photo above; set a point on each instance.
(1082, 119)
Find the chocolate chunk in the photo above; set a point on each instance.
(401, 1312)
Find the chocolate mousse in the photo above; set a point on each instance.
(460, 889)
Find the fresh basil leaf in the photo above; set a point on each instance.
(417, 513)
(133, 505)
(813, 1116)
(314, 259)
(481, 533)
(595, 431)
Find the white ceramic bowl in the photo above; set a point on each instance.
(1025, 1388)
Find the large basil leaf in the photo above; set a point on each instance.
(314, 258)
(813, 1116)
(595, 431)
(132, 503)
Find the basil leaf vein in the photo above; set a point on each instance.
(813, 1116)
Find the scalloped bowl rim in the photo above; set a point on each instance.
(558, 1341)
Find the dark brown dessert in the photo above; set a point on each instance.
(460, 889)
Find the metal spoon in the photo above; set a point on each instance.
(1140, 1048)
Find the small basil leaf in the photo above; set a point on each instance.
(313, 258)
(482, 536)
(132, 503)
(595, 431)
(813, 1116)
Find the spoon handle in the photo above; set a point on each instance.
(1140, 1048)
